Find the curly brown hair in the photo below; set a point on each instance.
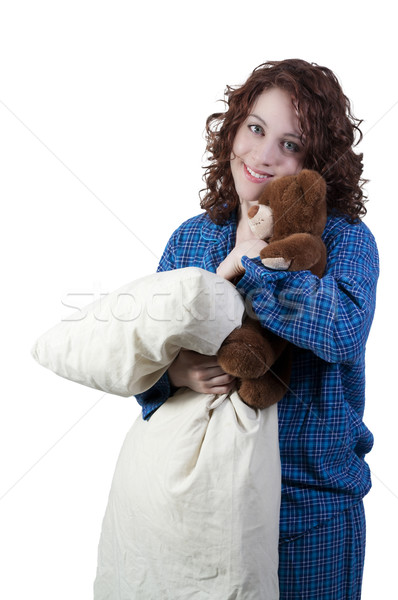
(328, 128)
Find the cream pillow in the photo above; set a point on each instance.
(193, 510)
(123, 344)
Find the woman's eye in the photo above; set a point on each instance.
(257, 129)
(291, 146)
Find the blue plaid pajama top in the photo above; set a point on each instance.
(323, 440)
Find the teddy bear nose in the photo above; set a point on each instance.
(253, 210)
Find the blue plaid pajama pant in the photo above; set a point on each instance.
(327, 562)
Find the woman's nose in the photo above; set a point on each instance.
(267, 152)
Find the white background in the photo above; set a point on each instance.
(102, 112)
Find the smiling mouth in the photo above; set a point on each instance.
(257, 176)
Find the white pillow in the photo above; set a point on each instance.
(123, 344)
(193, 511)
(194, 505)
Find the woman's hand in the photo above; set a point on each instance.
(200, 373)
(231, 266)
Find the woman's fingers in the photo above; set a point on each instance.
(200, 373)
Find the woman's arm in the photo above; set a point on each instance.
(330, 316)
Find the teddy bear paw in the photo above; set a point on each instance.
(278, 263)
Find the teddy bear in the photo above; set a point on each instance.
(291, 215)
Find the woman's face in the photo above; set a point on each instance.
(266, 146)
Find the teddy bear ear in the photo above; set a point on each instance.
(312, 184)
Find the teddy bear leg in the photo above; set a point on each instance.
(250, 350)
(270, 387)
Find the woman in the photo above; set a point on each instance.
(291, 115)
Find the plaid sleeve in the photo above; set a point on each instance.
(167, 261)
(151, 399)
(330, 316)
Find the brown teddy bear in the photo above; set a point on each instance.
(291, 215)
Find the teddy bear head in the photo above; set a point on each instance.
(290, 204)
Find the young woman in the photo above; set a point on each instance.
(291, 115)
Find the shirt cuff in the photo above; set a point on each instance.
(152, 399)
(256, 276)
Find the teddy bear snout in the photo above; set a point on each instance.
(261, 221)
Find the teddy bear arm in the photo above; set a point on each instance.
(299, 251)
